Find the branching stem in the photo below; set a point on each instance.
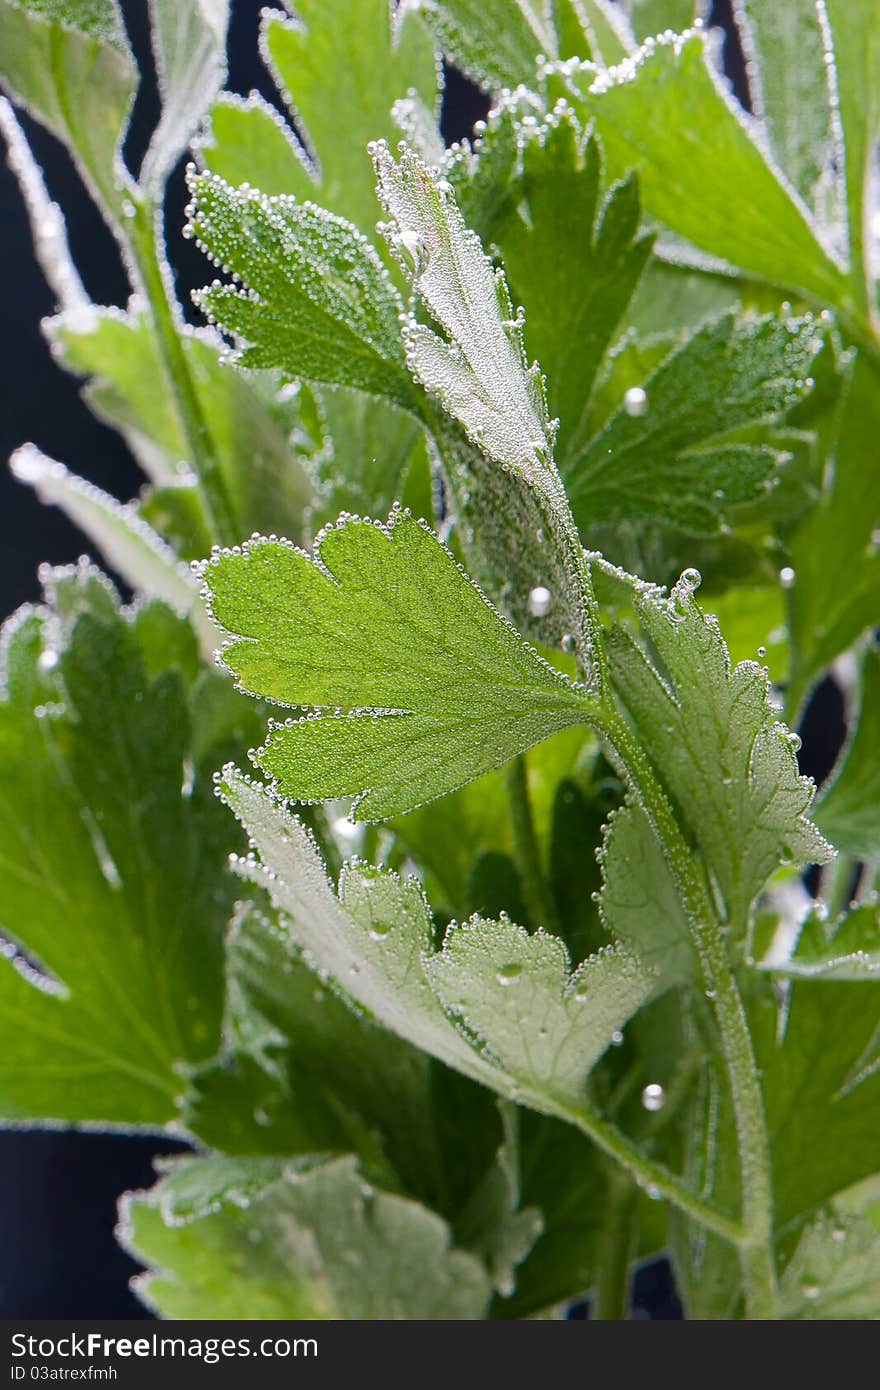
(653, 1177)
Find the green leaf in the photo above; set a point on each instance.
(447, 837)
(706, 1267)
(849, 809)
(821, 1079)
(47, 224)
(68, 62)
(310, 1243)
(480, 375)
(752, 619)
(357, 46)
(369, 446)
(317, 1075)
(700, 172)
(492, 1224)
(371, 938)
(833, 580)
(835, 1270)
(714, 738)
(650, 17)
(480, 372)
(640, 902)
(846, 949)
(127, 543)
(316, 302)
(855, 50)
(661, 460)
(498, 42)
(189, 45)
(789, 87)
(250, 426)
(817, 1059)
(559, 235)
(328, 1076)
(534, 1029)
(114, 856)
(502, 524)
(536, 1020)
(247, 141)
(425, 685)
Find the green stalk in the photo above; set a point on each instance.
(611, 1303)
(756, 1245)
(202, 454)
(539, 898)
(653, 1177)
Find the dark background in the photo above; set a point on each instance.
(58, 1188)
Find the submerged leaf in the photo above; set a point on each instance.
(189, 44)
(713, 735)
(425, 686)
(114, 868)
(663, 454)
(533, 1028)
(69, 63)
(317, 300)
(666, 114)
(834, 1272)
(279, 1241)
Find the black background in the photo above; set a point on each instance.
(58, 1189)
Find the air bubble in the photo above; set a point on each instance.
(379, 930)
(811, 1291)
(787, 577)
(762, 652)
(540, 601)
(414, 246)
(653, 1096)
(617, 1038)
(635, 401)
(567, 643)
(48, 660)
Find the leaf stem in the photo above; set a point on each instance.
(202, 454)
(611, 1303)
(538, 895)
(653, 1177)
(756, 1244)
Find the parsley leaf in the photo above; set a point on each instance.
(425, 686)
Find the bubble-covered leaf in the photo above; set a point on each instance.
(189, 45)
(714, 737)
(667, 114)
(114, 862)
(421, 685)
(663, 453)
(313, 1242)
(316, 302)
(69, 63)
